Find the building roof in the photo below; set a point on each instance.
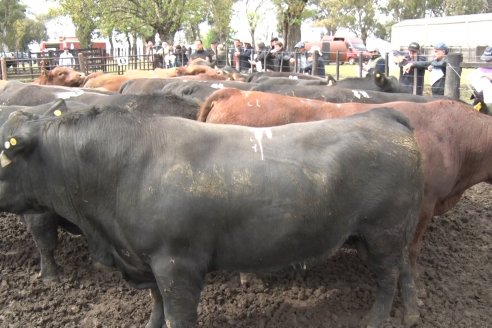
(455, 31)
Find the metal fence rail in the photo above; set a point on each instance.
(97, 60)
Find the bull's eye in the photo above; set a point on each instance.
(13, 142)
(57, 112)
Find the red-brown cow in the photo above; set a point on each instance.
(455, 139)
(64, 76)
(106, 82)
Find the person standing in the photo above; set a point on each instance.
(281, 59)
(238, 46)
(221, 55)
(301, 57)
(377, 64)
(66, 58)
(263, 61)
(436, 68)
(181, 58)
(200, 52)
(213, 54)
(407, 70)
(245, 57)
(314, 54)
(481, 79)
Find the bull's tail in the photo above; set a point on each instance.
(205, 109)
(208, 104)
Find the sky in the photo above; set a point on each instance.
(266, 28)
(58, 27)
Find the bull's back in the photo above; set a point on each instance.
(284, 186)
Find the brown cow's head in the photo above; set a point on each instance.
(64, 76)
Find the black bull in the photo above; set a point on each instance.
(44, 227)
(172, 199)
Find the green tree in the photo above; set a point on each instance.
(140, 17)
(400, 10)
(28, 31)
(10, 12)
(290, 15)
(220, 14)
(466, 7)
(327, 15)
(358, 16)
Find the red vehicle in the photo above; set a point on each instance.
(355, 48)
(350, 49)
(70, 42)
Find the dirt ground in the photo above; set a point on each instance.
(455, 284)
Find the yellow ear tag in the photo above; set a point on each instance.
(478, 106)
(6, 145)
(13, 142)
(57, 112)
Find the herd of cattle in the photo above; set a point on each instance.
(296, 169)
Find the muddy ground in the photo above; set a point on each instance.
(455, 284)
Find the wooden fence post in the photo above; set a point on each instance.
(314, 66)
(453, 76)
(3, 68)
(337, 72)
(82, 63)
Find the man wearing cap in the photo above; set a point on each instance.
(407, 70)
(481, 78)
(377, 63)
(66, 58)
(437, 68)
(301, 57)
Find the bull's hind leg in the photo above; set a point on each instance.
(383, 260)
(180, 282)
(408, 293)
(157, 315)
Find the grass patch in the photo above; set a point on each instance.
(347, 70)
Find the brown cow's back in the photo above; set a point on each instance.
(260, 109)
(107, 82)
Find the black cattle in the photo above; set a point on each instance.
(374, 82)
(161, 103)
(43, 227)
(294, 80)
(337, 94)
(172, 199)
(144, 85)
(200, 90)
(25, 94)
(253, 77)
(478, 102)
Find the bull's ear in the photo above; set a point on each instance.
(12, 146)
(379, 79)
(17, 137)
(58, 108)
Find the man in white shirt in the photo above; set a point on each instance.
(66, 58)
